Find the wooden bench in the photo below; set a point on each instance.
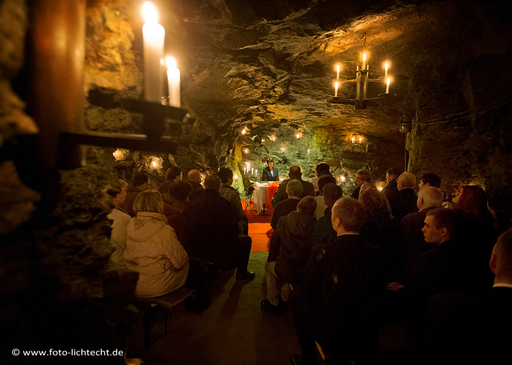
(167, 302)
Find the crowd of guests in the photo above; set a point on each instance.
(342, 264)
(398, 255)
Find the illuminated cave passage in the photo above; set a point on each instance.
(259, 80)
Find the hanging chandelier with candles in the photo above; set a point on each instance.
(361, 81)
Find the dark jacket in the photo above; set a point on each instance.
(281, 194)
(342, 286)
(132, 193)
(290, 246)
(403, 203)
(197, 189)
(390, 189)
(215, 228)
(179, 216)
(267, 176)
(323, 232)
(283, 208)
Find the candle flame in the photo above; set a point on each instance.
(149, 13)
(336, 84)
(364, 57)
(386, 66)
(171, 62)
(297, 135)
(282, 149)
(388, 80)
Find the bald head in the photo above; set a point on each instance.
(429, 197)
(501, 259)
(406, 181)
(194, 175)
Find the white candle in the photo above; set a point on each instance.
(337, 71)
(336, 89)
(360, 140)
(245, 170)
(256, 172)
(388, 81)
(173, 79)
(386, 67)
(252, 171)
(153, 35)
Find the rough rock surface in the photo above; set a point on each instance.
(269, 70)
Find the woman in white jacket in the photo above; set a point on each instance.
(153, 250)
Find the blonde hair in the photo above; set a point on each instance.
(149, 201)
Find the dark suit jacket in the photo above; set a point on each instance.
(282, 209)
(343, 283)
(470, 329)
(197, 189)
(390, 189)
(412, 241)
(267, 176)
(281, 194)
(215, 228)
(403, 203)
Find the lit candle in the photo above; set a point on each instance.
(255, 172)
(342, 178)
(337, 71)
(243, 131)
(248, 166)
(308, 152)
(386, 67)
(118, 154)
(252, 171)
(336, 89)
(273, 139)
(360, 140)
(246, 150)
(154, 164)
(388, 81)
(153, 35)
(282, 149)
(353, 138)
(364, 62)
(262, 140)
(297, 135)
(173, 80)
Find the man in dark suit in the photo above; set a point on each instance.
(343, 282)
(404, 202)
(215, 235)
(391, 187)
(412, 240)
(294, 173)
(475, 329)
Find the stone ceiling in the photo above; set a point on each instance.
(268, 68)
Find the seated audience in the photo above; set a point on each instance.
(178, 211)
(195, 179)
(336, 304)
(453, 266)
(474, 329)
(323, 231)
(233, 197)
(412, 241)
(404, 202)
(320, 205)
(294, 191)
(290, 248)
(294, 173)
(429, 179)
(153, 250)
(140, 184)
(119, 225)
(172, 176)
(391, 187)
(362, 176)
(270, 173)
(215, 235)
